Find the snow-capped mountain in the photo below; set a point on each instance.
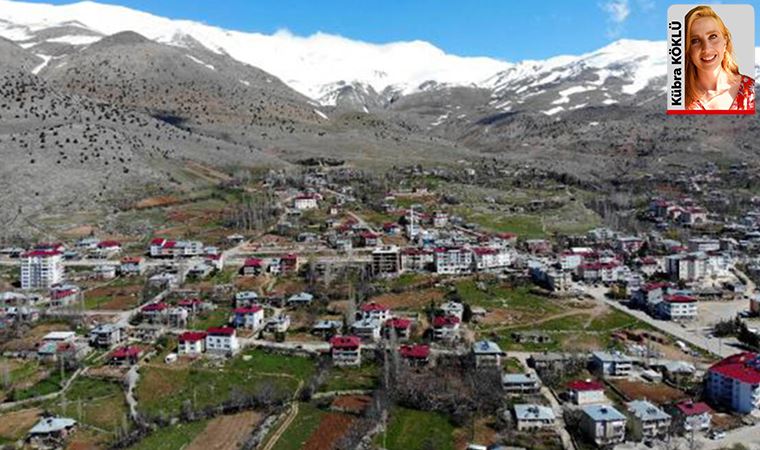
(307, 64)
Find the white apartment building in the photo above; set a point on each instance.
(41, 269)
(222, 341)
(677, 307)
(453, 260)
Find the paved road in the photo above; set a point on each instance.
(720, 347)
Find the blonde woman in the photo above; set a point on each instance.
(713, 81)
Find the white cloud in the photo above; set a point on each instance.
(617, 12)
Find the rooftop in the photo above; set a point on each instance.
(603, 413)
(533, 412)
(646, 411)
(744, 367)
(486, 348)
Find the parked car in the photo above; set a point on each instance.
(717, 435)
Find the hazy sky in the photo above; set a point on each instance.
(505, 29)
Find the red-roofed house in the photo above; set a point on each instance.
(586, 392)
(251, 317)
(446, 328)
(64, 296)
(155, 312)
(734, 382)
(191, 305)
(253, 267)
(192, 343)
(692, 416)
(402, 326)
(415, 354)
(416, 259)
(126, 356)
(489, 259)
(377, 311)
(369, 239)
(222, 341)
(346, 350)
(289, 263)
(108, 247)
(305, 201)
(677, 307)
(132, 265)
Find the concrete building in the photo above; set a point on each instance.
(734, 383)
(647, 420)
(41, 269)
(677, 307)
(586, 392)
(690, 416)
(533, 417)
(613, 364)
(346, 350)
(603, 424)
(222, 341)
(487, 354)
(520, 383)
(191, 343)
(453, 260)
(386, 260)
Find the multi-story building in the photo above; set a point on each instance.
(222, 340)
(586, 392)
(687, 267)
(520, 383)
(690, 416)
(163, 248)
(40, 269)
(603, 424)
(446, 328)
(416, 259)
(453, 260)
(734, 383)
(613, 364)
(106, 335)
(647, 420)
(191, 343)
(132, 265)
(346, 350)
(306, 201)
(386, 260)
(250, 317)
(677, 307)
(377, 311)
(487, 354)
(533, 417)
(487, 259)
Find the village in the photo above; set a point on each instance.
(412, 322)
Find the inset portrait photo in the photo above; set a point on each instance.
(711, 59)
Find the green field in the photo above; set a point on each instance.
(351, 378)
(417, 430)
(216, 318)
(301, 429)
(518, 298)
(171, 438)
(93, 402)
(164, 389)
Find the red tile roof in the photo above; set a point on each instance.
(371, 307)
(679, 299)
(485, 251)
(131, 260)
(416, 351)
(345, 342)
(744, 367)
(399, 323)
(126, 352)
(107, 244)
(253, 262)
(689, 408)
(192, 336)
(155, 307)
(158, 241)
(248, 310)
(445, 321)
(585, 385)
(222, 331)
(41, 253)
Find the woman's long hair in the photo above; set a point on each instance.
(729, 60)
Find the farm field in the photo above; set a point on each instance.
(657, 393)
(171, 438)
(300, 430)
(226, 432)
(351, 378)
(14, 425)
(417, 430)
(164, 388)
(94, 402)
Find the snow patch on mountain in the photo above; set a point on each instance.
(196, 60)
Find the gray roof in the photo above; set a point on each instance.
(646, 411)
(52, 425)
(515, 378)
(679, 367)
(486, 348)
(603, 413)
(533, 412)
(369, 322)
(612, 357)
(327, 324)
(301, 297)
